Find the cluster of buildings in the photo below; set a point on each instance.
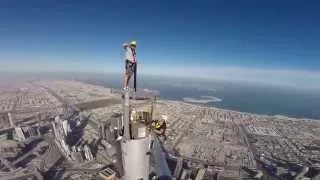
(68, 130)
(244, 144)
(77, 92)
(207, 136)
(43, 137)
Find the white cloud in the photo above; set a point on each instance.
(293, 78)
(53, 64)
(287, 77)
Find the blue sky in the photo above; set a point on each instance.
(268, 41)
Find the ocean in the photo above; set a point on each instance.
(259, 99)
(254, 100)
(244, 97)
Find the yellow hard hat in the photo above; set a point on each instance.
(134, 43)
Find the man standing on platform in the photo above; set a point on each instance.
(130, 62)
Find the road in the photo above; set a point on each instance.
(244, 135)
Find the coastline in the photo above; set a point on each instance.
(202, 105)
(207, 105)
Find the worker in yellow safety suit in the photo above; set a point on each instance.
(159, 127)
